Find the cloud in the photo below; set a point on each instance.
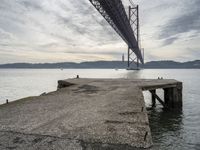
(72, 30)
(5, 35)
(188, 20)
(34, 5)
(169, 41)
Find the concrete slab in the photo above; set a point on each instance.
(104, 113)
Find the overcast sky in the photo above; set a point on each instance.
(72, 30)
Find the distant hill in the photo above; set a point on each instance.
(172, 64)
(106, 64)
(94, 64)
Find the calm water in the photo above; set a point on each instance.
(178, 130)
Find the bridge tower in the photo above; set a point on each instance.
(133, 16)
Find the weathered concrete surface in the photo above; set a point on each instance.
(19, 141)
(87, 114)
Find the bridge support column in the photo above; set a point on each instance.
(134, 22)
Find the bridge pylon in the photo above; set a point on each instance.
(133, 16)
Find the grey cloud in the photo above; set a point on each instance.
(94, 52)
(30, 4)
(191, 54)
(88, 20)
(182, 24)
(4, 35)
(49, 45)
(188, 21)
(82, 7)
(75, 26)
(169, 41)
(61, 23)
(61, 37)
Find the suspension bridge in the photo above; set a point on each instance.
(126, 25)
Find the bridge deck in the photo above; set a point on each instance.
(87, 113)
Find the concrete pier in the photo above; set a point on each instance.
(172, 92)
(85, 114)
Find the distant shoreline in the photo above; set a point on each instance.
(104, 65)
(98, 68)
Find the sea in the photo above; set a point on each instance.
(171, 130)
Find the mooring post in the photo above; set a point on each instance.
(168, 96)
(153, 98)
(173, 96)
(178, 98)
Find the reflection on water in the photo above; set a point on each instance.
(166, 127)
(171, 130)
(177, 130)
(134, 74)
